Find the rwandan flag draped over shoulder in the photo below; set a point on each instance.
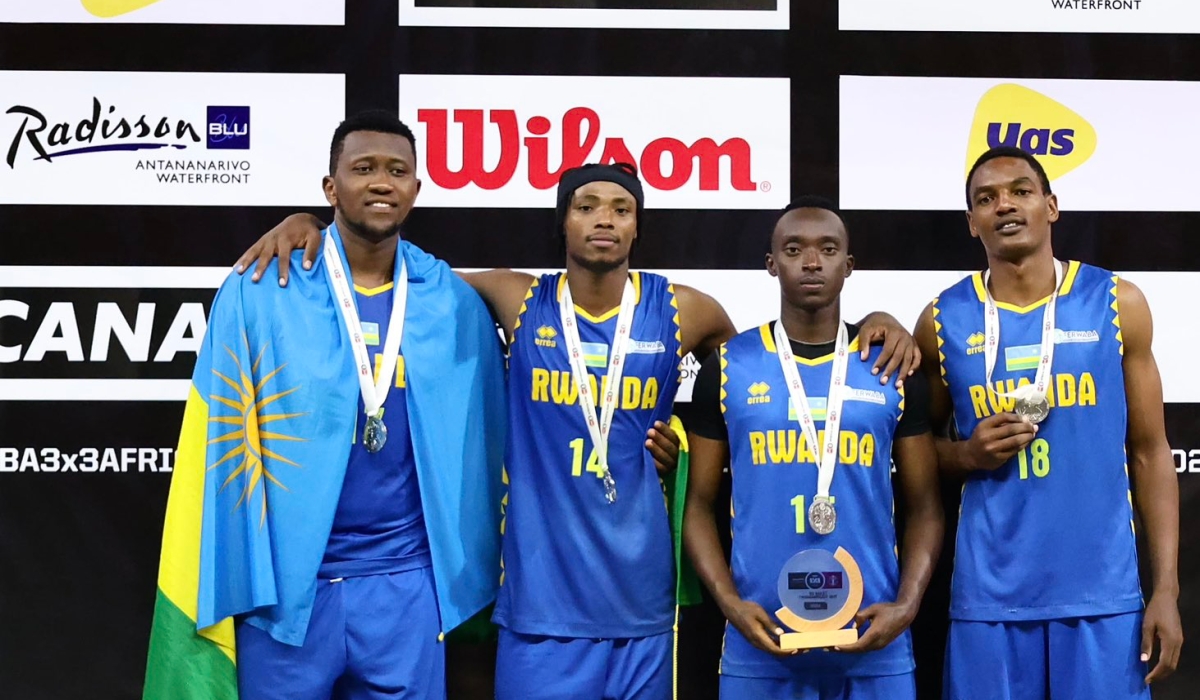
(266, 435)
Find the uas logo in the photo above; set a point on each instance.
(1014, 115)
(114, 8)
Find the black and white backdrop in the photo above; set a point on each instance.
(109, 256)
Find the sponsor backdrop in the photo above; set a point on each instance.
(166, 138)
(1136, 16)
(140, 158)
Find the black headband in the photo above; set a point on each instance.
(622, 174)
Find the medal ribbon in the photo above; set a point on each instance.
(373, 394)
(598, 428)
(992, 346)
(833, 403)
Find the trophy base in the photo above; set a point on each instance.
(818, 640)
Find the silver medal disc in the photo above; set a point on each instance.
(1033, 409)
(822, 516)
(374, 434)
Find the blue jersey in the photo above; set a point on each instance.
(378, 527)
(774, 473)
(1049, 534)
(574, 564)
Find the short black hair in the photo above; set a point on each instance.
(1008, 152)
(379, 120)
(809, 201)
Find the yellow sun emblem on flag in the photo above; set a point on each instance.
(249, 433)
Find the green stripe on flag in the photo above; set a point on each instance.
(181, 664)
(687, 583)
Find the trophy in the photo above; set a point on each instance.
(821, 593)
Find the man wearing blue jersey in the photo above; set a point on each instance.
(1045, 371)
(756, 400)
(408, 511)
(587, 601)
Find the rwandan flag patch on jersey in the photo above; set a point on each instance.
(370, 333)
(816, 404)
(1022, 357)
(595, 354)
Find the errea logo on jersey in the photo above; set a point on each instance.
(1014, 115)
(759, 393)
(504, 141)
(545, 337)
(975, 343)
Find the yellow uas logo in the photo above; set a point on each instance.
(1014, 115)
(114, 8)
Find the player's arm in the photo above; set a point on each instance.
(900, 356)
(995, 439)
(1155, 487)
(708, 458)
(503, 291)
(703, 323)
(920, 494)
(709, 453)
(663, 444)
(296, 231)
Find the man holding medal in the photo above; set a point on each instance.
(1045, 369)
(809, 436)
(587, 605)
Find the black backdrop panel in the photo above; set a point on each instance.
(83, 483)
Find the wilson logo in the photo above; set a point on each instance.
(665, 163)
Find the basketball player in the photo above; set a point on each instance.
(750, 418)
(1045, 369)
(587, 601)
(342, 588)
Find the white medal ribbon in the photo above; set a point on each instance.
(827, 461)
(598, 428)
(1037, 390)
(373, 394)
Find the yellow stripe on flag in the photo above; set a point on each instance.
(179, 569)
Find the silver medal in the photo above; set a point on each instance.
(598, 426)
(374, 434)
(1033, 408)
(822, 516)
(374, 393)
(1029, 400)
(610, 487)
